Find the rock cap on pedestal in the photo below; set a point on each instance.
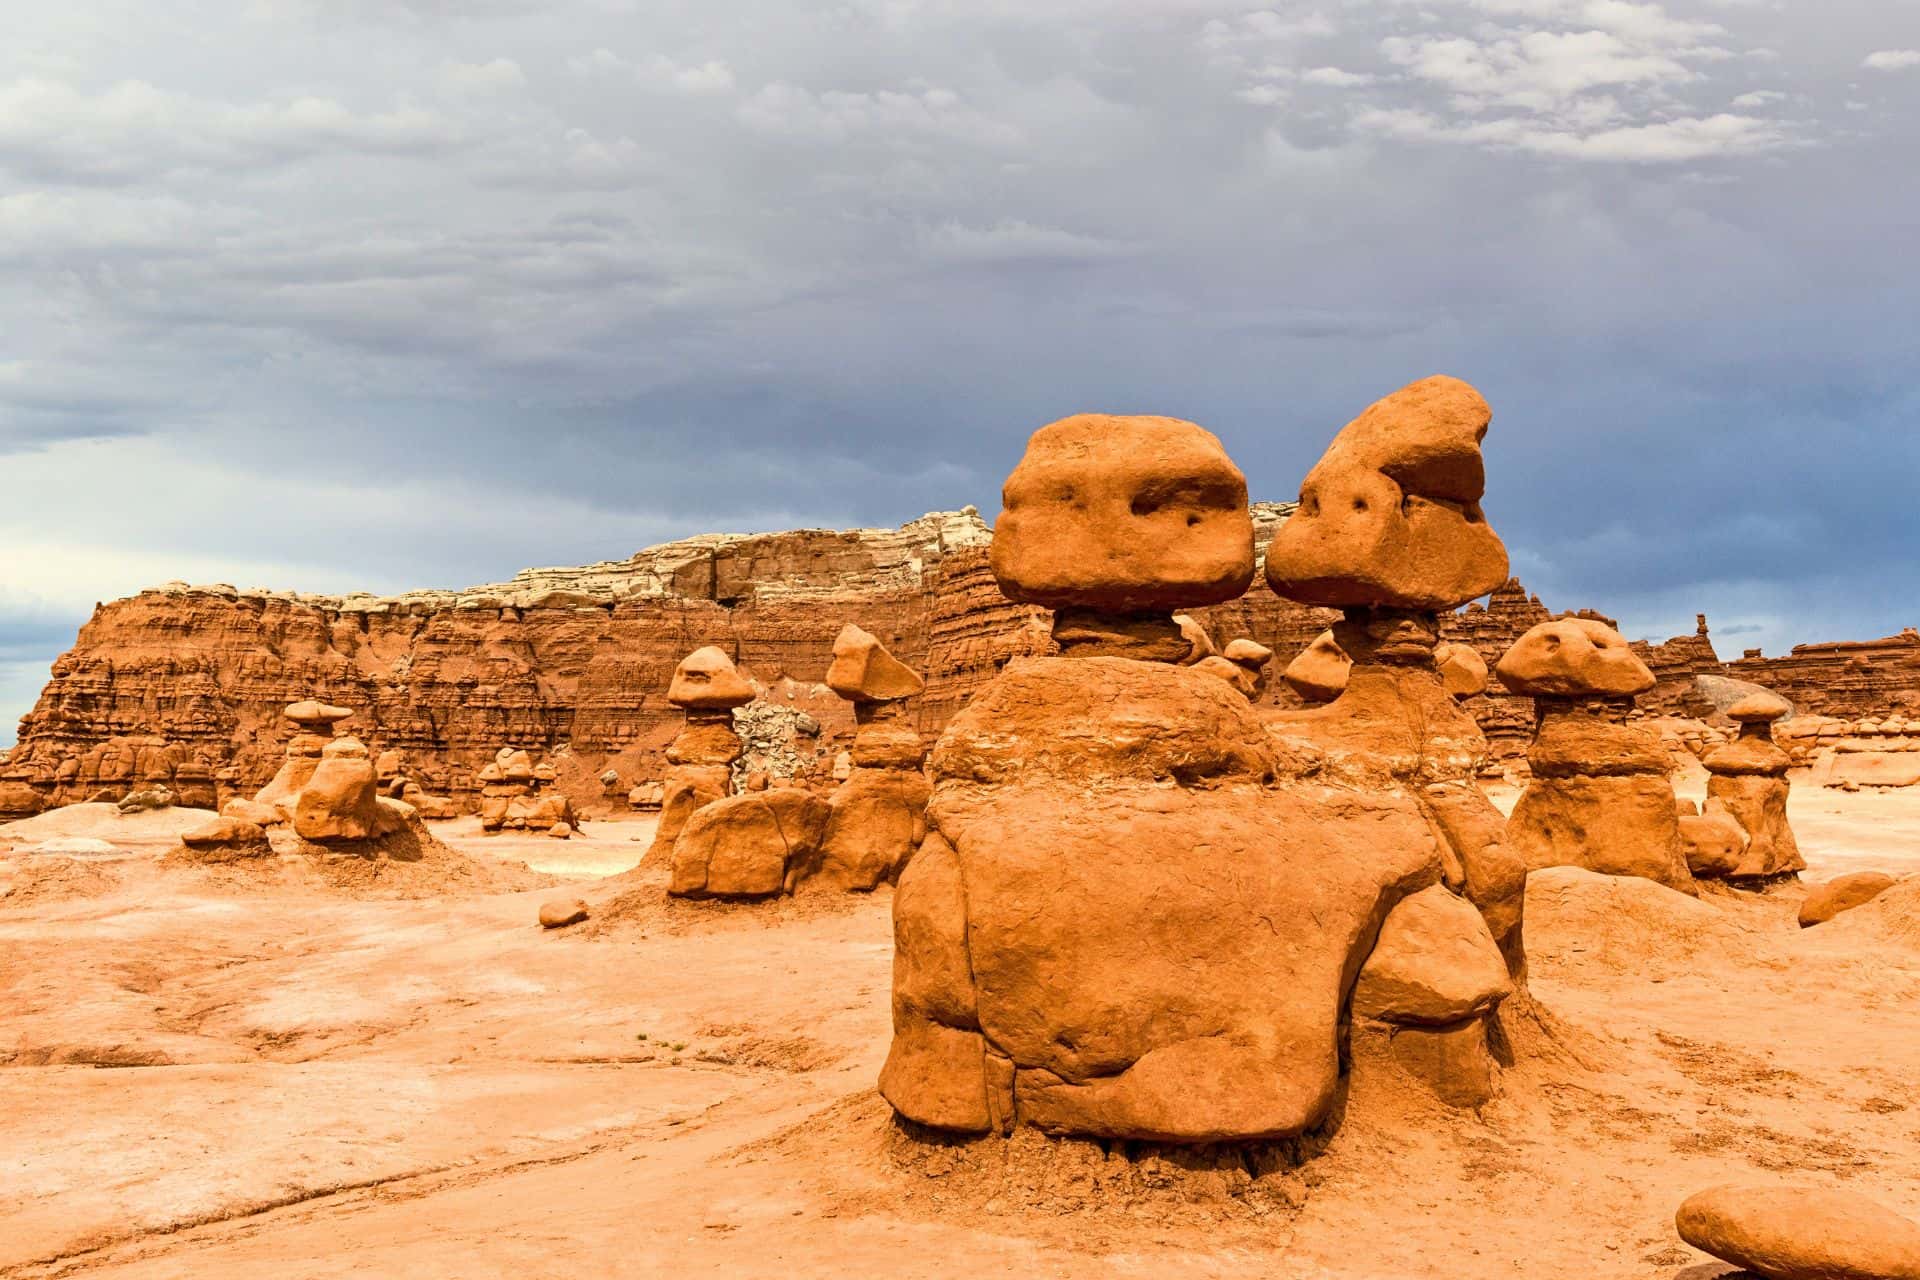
(1390, 515)
(1760, 708)
(707, 680)
(864, 671)
(316, 716)
(1123, 515)
(1574, 658)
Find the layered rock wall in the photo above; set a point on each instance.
(185, 685)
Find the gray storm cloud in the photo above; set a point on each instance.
(330, 294)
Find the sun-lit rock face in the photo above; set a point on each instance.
(1390, 515)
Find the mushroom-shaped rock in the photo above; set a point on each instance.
(1124, 515)
(1319, 673)
(1462, 670)
(1435, 964)
(1801, 1233)
(1825, 901)
(863, 671)
(1390, 515)
(315, 716)
(1760, 708)
(707, 680)
(1572, 658)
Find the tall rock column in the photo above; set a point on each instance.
(878, 816)
(706, 687)
(1600, 797)
(1749, 784)
(1390, 531)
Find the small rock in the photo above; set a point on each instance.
(561, 831)
(558, 913)
(1825, 901)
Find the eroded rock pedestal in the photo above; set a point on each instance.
(518, 795)
(706, 687)
(878, 816)
(1749, 785)
(1141, 909)
(1600, 796)
(326, 794)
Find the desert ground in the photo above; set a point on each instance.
(244, 1074)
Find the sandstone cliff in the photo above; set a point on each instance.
(184, 684)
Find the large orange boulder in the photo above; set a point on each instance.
(753, 845)
(864, 671)
(1843, 893)
(1125, 515)
(339, 802)
(1573, 657)
(1152, 942)
(1390, 515)
(707, 680)
(875, 821)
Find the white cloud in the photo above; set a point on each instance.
(48, 127)
(1015, 241)
(657, 71)
(1758, 98)
(500, 75)
(790, 111)
(1891, 59)
(1334, 77)
(1664, 142)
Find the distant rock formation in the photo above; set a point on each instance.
(182, 685)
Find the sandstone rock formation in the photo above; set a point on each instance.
(1801, 1233)
(326, 795)
(1749, 784)
(1393, 725)
(1318, 673)
(1843, 893)
(1390, 515)
(182, 685)
(753, 845)
(706, 687)
(1600, 797)
(878, 816)
(518, 795)
(1133, 916)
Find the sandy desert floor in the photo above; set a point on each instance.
(210, 1078)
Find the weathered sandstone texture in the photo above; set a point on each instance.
(1801, 1233)
(1141, 908)
(1600, 797)
(180, 686)
(1749, 785)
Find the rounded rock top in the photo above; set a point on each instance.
(1390, 516)
(1124, 515)
(707, 680)
(1574, 657)
(1759, 708)
(309, 713)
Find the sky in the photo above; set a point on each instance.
(378, 294)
